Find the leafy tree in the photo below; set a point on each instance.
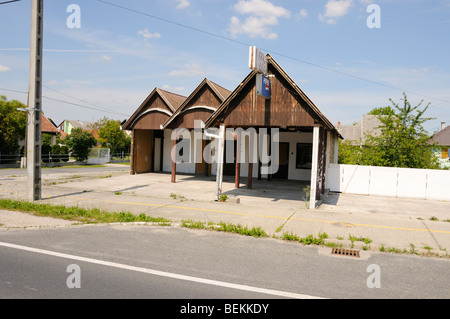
(387, 110)
(12, 125)
(112, 136)
(80, 143)
(403, 141)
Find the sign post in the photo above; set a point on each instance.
(258, 63)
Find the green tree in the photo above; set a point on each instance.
(403, 141)
(112, 136)
(387, 110)
(80, 143)
(12, 125)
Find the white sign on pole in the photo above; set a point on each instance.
(257, 61)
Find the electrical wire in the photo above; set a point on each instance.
(70, 103)
(269, 51)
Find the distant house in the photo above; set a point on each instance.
(67, 126)
(357, 133)
(47, 127)
(442, 140)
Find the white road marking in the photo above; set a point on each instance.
(162, 273)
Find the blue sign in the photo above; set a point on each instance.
(263, 86)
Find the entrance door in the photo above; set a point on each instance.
(283, 161)
(203, 168)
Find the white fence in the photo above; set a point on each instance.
(387, 181)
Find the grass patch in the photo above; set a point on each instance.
(308, 240)
(89, 216)
(223, 198)
(226, 227)
(363, 239)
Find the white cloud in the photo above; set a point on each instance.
(177, 89)
(4, 68)
(302, 14)
(102, 58)
(335, 9)
(147, 35)
(183, 4)
(189, 70)
(263, 14)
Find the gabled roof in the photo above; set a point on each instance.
(47, 126)
(172, 100)
(442, 138)
(293, 87)
(218, 90)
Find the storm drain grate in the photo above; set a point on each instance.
(345, 252)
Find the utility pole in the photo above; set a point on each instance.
(34, 135)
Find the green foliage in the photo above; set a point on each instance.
(12, 125)
(93, 215)
(56, 153)
(64, 150)
(80, 143)
(403, 141)
(387, 110)
(112, 136)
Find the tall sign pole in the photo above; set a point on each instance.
(34, 135)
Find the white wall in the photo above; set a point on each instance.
(389, 181)
(290, 137)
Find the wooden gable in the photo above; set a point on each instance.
(203, 102)
(287, 107)
(154, 111)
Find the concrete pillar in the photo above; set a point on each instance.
(314, 168)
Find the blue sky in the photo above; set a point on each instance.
(117, 56)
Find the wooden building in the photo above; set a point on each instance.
(307, 145)
(307, 139)
(148, 140)
(199, 106)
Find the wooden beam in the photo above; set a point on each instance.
(250, 175)
(174, 164)
(132, 156)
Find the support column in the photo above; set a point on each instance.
(314, 168)
(132, 154)
(174, 164)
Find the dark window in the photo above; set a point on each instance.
(304, 155)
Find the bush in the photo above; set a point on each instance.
(64, 151)
(56, 153)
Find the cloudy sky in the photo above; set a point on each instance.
(106, 62)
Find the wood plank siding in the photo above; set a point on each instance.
(203, 102)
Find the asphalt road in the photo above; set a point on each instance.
(148, 262)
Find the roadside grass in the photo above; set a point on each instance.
(81, 215)
(256, 232)
(96, 216)
(308, 240)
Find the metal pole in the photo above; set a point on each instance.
(34, 138)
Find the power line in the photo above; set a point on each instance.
(9, 1)
(268, 50)
(70, 103)
(93, 105)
